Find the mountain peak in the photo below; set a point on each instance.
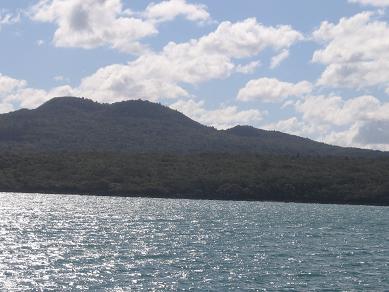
(245, 131)
(135, 109)
(138, 126)
(66, 102)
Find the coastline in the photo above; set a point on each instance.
(195, 197)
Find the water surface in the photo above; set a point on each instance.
(59, 242)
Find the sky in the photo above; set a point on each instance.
(313, 68)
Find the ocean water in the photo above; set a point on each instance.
(58, 242)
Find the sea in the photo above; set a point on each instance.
(100, 243)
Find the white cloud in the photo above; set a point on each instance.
(31, 97)
(168, 10)
(380, 113)
(373, 133)
(155, 76)
(362, 121)
(272, 90)
(9, 84)
(90, 23)
(278, 59)
(132, 81)
(344, 137)
(15, 93)
(335, 110)
(358, 122)
(298, 127)
(377, 3)
(366, 134)
(248, 68)
(7, 18)
(356, 52)
(222, 118)
(6, 107)
(248, 38)
(40, 42)
(161, 75)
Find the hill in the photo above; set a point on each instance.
(135, 126)
(139, 148)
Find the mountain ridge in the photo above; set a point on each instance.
(138, 148)
(138, 126)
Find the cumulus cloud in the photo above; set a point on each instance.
(248, 37)
(15, 93)
(361, 121)
(221, 118)
(135, 80)
(9, 84)
(364, 134)
(357, 122)
(162, 75)
(373, 132)
(335, 110)
(278, 59)
(5, 107)
(168, 10)
(356, 52)
(377, 3)
(31, 98)
(272, 90)
(90, 23)
(298, 127)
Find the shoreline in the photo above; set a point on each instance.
(194, 198)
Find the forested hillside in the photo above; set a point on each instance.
(138, 148)
(76, 124)
(205, 176)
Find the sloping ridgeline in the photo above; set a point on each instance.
(139, 148)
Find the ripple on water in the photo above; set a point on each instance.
(55, 242)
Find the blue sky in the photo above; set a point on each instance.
(319, 69)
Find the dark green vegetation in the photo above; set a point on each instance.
(72, 145)
(74, 124)
(211, 176)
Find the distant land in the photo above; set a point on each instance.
(139, 148)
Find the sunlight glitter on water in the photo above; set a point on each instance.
(57, 242)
